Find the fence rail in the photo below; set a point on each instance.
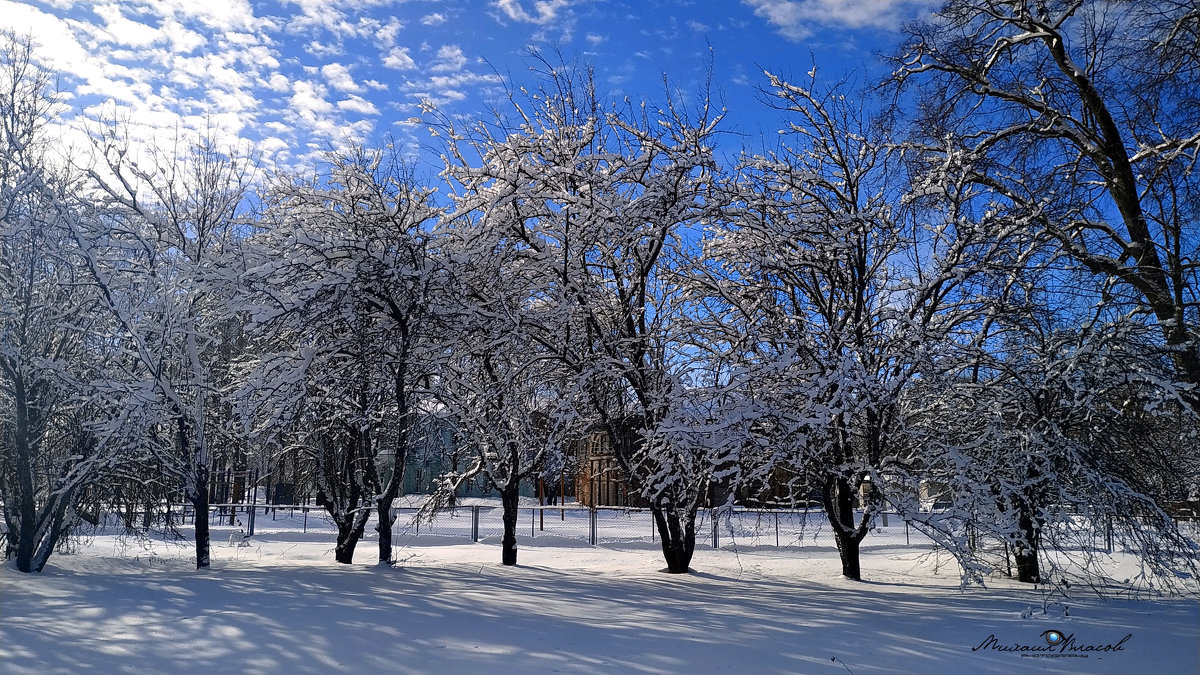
(610, 525)
(573, 524)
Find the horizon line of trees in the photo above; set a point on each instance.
(980, 274)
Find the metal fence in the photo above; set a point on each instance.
(574, 525)
(736, 527)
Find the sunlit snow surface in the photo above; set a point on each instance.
(282, 605)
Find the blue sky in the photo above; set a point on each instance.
(301, 76)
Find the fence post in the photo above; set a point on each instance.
(592, 525)
(253, 501)
(716, 542)
(305, 510)
(475, 523)
(532, 523)
(906, 541)
(776, 529)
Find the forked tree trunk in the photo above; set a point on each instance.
(510, 499)
(838, 498)
(677, 530)
(350, 531)
(383, 511)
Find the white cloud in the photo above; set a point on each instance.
(236, 101)
(275, 148)
(183, 40)
(238, 38)
(450, 59)
(440, 98)
(433, 19)
(279, 82)
(463, 79)
(338, 76)
(317, 14)
(126, 31)
(308, 101)
(399, 59)
(386, 34)
(799, 19)
(223, 15)
(594, 39)
(258, 57)
(320, 49)
(545, 11)
(359, 105)
(376, 85)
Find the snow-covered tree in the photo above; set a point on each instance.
(57, 437)
(1061, 427)
(510, 401)
(603, 201)
(345, 289)
(842, 297)
(1083, 113)
(164, 257)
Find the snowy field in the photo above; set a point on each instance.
(281, 605)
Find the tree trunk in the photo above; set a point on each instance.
(838, 499)
(383, 507)
(56, 525)
(510, 498)
(848, 549)
(26, 495)
(678, 534)
(199, 500)
(383, 525)
(1026, 551)
(350, 530)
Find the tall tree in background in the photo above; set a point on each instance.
(1082, 113)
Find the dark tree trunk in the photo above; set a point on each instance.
(199, 500)
(849, 551)
(837, 496)
(1026, 551)
(677, 530)
(510, 498)
(55, 517)
(396, 481)
(350, 530)
(390, 493)
(23, 461)
(384, 520)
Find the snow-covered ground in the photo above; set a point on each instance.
(281, 605)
